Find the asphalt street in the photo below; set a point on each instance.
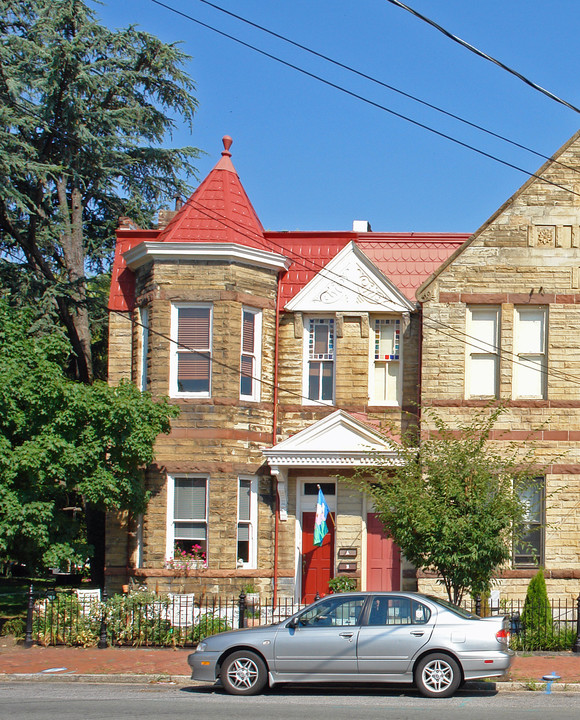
(64, 701)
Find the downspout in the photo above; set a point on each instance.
(274, 439)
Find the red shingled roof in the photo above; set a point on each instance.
(219, 211)
(407, 259)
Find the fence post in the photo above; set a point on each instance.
(29, 613)
(478, 605)
(576, 646)
(241, 609)
(103, 642)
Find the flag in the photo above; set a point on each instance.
(322, 510)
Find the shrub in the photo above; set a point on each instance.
(139, 618)
(209, 624)
(537, 621)
(342, 583)
(14, 626)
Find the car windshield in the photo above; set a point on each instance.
(453, 608)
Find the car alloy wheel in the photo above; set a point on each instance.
(438, 676)
(244, 673)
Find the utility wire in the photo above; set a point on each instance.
(372, 103)
(381, 83)
(483, 55)
(459, 335)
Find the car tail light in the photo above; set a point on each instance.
(503, 636)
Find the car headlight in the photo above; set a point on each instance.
(201, 647)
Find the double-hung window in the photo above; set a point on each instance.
(250, 354)
(385, 361)
(191, 350)
(530, 330)
(482, 352)
(320, 357)
(247, 522)
(529, 549)
(186, 515)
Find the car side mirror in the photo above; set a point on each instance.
(293, 623)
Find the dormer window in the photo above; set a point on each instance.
(320, 359)
(385, 372)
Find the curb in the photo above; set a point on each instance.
(473, 686)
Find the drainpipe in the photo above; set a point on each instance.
(274, 438)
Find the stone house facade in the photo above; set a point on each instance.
(508, 302)
(290, 355)
(296, 356)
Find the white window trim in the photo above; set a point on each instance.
(480, 347)
(144, 346)
(306, 361)
(253, 552)
(372, 363)
(257, 354)
(520, 357)
(170, 526)
(174, 349)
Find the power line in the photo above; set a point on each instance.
(483, 55)
(461, 336)
(372, 103)
(379, 82)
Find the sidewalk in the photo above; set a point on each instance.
(162, 664)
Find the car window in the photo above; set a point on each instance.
(393, 610)
(454, 608)
(335, 611)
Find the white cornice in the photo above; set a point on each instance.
(224, 252)
(330, 459)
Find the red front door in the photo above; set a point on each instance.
(383, 558)
(317, 562)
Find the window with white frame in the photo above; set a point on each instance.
(250, 359)
(530, 361)
(529, 549)
(187, 515)
(191, 331)
(320, 356)
(385, 372)
(144, 346)
(247, 522)
(482, 351)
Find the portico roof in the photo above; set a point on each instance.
(338, 440)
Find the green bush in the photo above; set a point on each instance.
(14, 626)
(342, 583)
(209, 624)
(63, 620)
(139, 618)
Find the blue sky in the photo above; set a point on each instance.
(312, 158)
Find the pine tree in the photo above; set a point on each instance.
(83, 112)
(536, 617)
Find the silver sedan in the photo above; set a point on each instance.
(360, 637)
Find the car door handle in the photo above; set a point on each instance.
(348, 635)
(417, 633)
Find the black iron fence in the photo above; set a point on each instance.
(143, 618)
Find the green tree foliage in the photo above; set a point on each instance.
(65, 447)
(83, 113)
(452, 504)
(537, 614)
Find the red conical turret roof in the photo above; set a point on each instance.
(218, 211)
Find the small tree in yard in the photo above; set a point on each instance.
(453, 503)
(67, 449)
(537, 613)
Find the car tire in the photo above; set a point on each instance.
(243, 673)
(437, 675)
